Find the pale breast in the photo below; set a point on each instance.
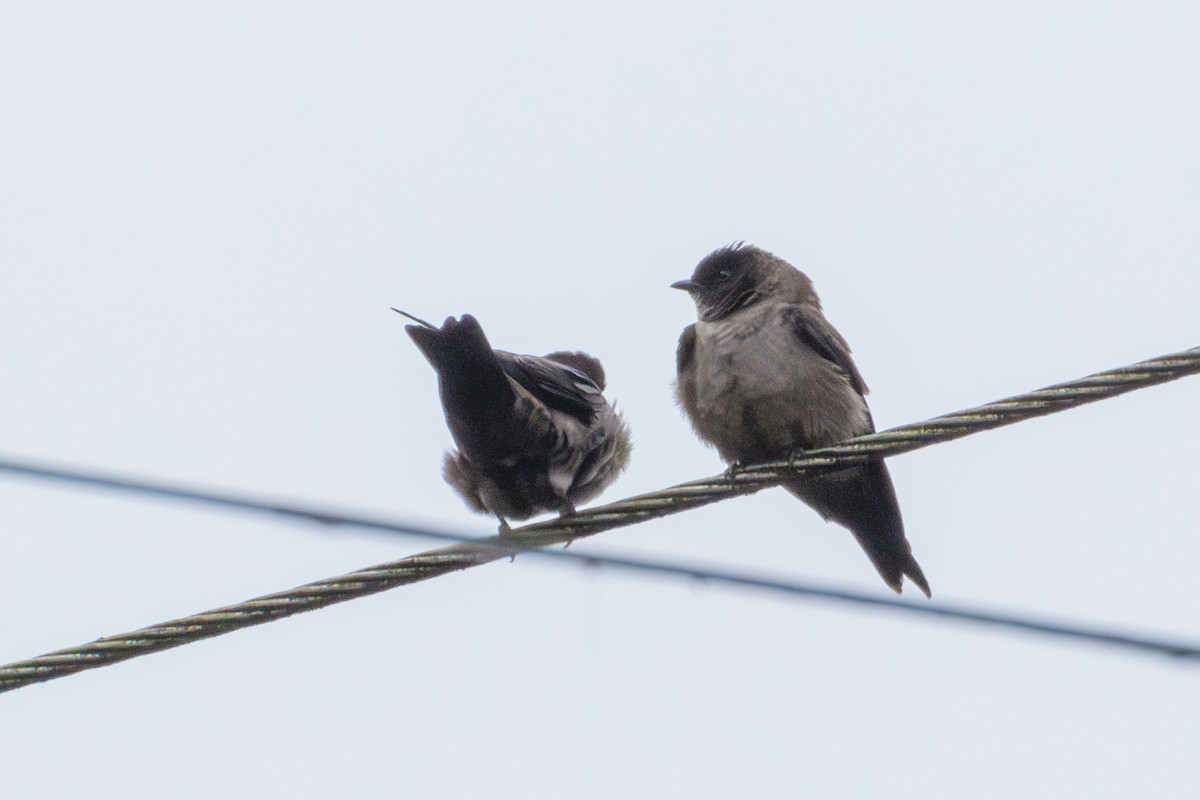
(761, 392)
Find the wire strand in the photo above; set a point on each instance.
(120, 647)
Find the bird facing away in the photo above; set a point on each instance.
(762, 375)
(533, 434)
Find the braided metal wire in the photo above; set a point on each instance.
(120, 647)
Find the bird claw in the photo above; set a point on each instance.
(566, 509)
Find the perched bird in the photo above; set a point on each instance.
(763, 376)
(533, 434)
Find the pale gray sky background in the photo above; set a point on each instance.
(206, 209)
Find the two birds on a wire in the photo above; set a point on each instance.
(762, 376)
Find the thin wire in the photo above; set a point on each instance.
(237, 502)
(958, 613)
(423, 566)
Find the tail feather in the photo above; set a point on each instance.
(477, 396)
(459, 346)
(862, 499)
(470, 372)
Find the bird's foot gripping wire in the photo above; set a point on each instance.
(792, 455)
(505, 530)
(566, 509)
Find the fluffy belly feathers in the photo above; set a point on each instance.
(756, 400)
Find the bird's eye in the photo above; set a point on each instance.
(723, 274)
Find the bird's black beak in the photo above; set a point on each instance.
(686, 286)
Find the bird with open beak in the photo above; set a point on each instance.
(533, 433)
(762, 376)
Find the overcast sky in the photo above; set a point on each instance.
(206, 210)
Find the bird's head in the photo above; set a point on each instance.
(740, 275)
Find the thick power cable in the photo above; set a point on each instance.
(905, 438)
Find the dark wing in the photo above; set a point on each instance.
(581, 361)
(558, 386)
(811, 327)
(685, 374)
(686, 350)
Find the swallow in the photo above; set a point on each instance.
(763, 376)
(533, 433)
